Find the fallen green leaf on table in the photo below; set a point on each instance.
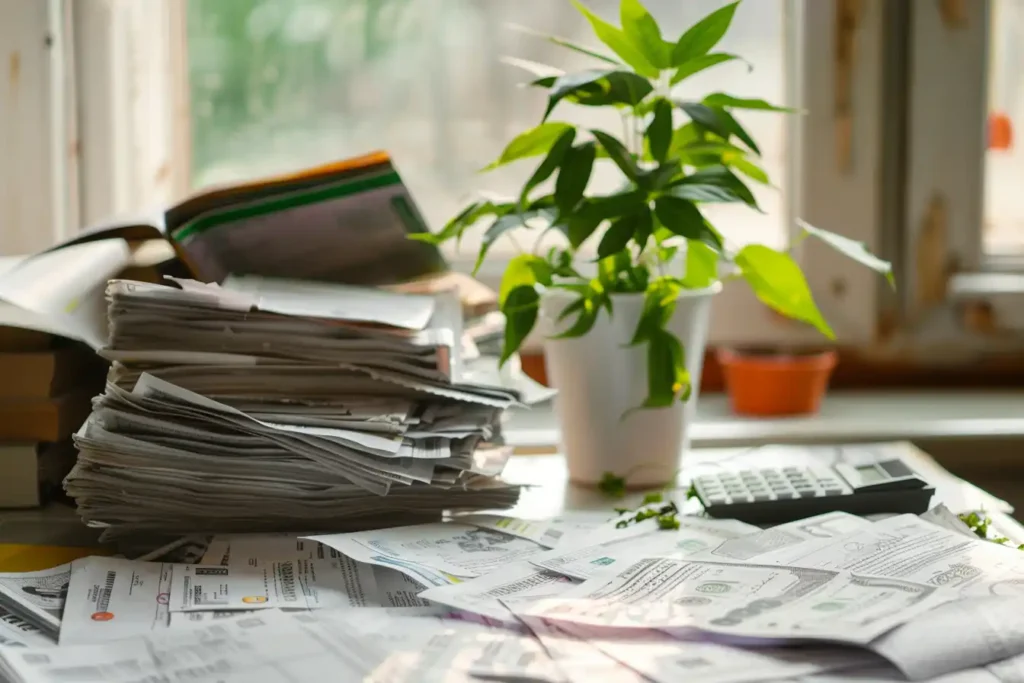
(981, 526)
(612, 485)
(665, 514)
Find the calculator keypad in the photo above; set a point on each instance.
(756, 486)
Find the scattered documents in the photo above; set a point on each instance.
(575, 599)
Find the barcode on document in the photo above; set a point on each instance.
(108, 587)
(288, 583)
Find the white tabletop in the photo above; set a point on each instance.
(549, 492)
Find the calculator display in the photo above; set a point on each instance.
(870, 474)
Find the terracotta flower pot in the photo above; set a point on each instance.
(773, 384)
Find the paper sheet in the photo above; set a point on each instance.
(623, 546)
(111, 598)
(271, 583)
(755, 601)
(910, 548)
(550, 533)
(758, 546)
(37, 596)
(328, 579)
(334, 301)
(433, 553)
(664, 659)
(17, 632)
(483, 595)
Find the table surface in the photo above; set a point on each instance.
(844, 417)
(549, 493)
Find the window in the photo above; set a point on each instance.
(176, 94)
(963, 227)
(1004, 158)
(279, 84)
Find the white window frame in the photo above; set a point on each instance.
(38, 144)
(982, 294)
(135, 142)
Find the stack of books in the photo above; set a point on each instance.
(48, 374)
(266, 405)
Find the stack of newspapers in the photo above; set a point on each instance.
(265, 405)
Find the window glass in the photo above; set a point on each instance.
(276, 85)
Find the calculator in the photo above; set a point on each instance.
(783, 494)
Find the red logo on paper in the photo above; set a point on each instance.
(102, 616)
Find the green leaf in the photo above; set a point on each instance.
(660, 176)
(520, 309)
(734, 128)
(684, 136)
(750, 169)
(659, 305)
(562, 42)
(697, 192)
(857, 251)
(641, 28)
(617, 40)
(559, 261)
(652, 498)
(618, 153)
(464, 220)
(525, 270)
(596, 88)
(643, 227)
(612, 485)
(722, 177)
(720, 99)
(666, 369)
(573, 308)
(779, 283)
(531, 143)
(668, 522)
(584, 320)
(701, 266)
(683, 218)
(593, 211)
(698, 64)
(616, 237)
(574, 176)
(703, 36)
(659, 133)
(580, 227)
(718, 121)
(503, 224)
(551, 162)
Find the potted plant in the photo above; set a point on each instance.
(768, 382)
(625, 342)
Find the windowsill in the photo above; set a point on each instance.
(845, 417)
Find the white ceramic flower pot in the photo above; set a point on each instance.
(599, 378)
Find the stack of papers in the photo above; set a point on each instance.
(574, 599)
(273, 405)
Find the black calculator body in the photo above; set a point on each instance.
(783, 494)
